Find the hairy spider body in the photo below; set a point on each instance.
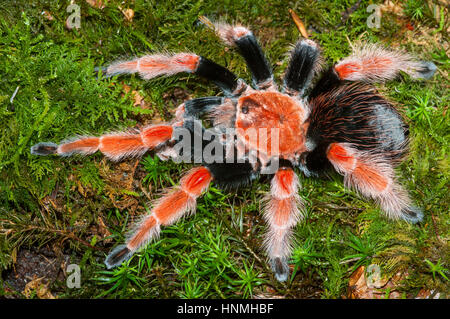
(342, 123)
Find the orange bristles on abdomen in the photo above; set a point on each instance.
(178, 202)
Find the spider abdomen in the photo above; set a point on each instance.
(357, 115)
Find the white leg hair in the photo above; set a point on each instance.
(151, 66)
(373, 63)
(374, 177)
(282, 212)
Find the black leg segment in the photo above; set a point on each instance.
(200, 106)
(221, 76)
(254, 57)
(232, 175)
(301, 67)
(329, 81)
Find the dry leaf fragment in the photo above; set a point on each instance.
(428, 294)
(128, 13)
(102, 229)
(362, 286)
(298, 22)
(392, 7)
(81, 189)
(41, 288)
(47, 15)
(99, 4)
(138, 99)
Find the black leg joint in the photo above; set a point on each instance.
(329, 80)
(200, 106)
(221, 76)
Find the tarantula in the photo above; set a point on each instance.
(339, 123)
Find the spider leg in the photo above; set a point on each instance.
(373, 177)
(372, 63)
(179, 201)
(302, 66)
(245, 41)
(151, 66)
(115, 146)
(282, 213)
(328, 81)
(200, 106)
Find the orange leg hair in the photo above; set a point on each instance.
(373, 177)
(281, 213)
(151, 66)
(179, 201)
(372, 63)
(115, 146)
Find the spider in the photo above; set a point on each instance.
(340, 123)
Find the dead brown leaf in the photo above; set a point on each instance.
(47, 15)
(428, 294)
(128, 13)
(138, 99)
(299, 23)
(363, 286)
(102, 229)
(99, 4)
(120, 179)
(81, 189)
(392, 7)
(40, 287)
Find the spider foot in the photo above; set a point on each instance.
(426, 70)
(281, 268)
(412, 215)
(44, 148)
(117, 256)
(104, 70)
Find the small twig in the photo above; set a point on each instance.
(349, 260)
(350, 42)
(346, 14)
(435, 228)
(338, 207)
(14, 95)
(65, 234)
